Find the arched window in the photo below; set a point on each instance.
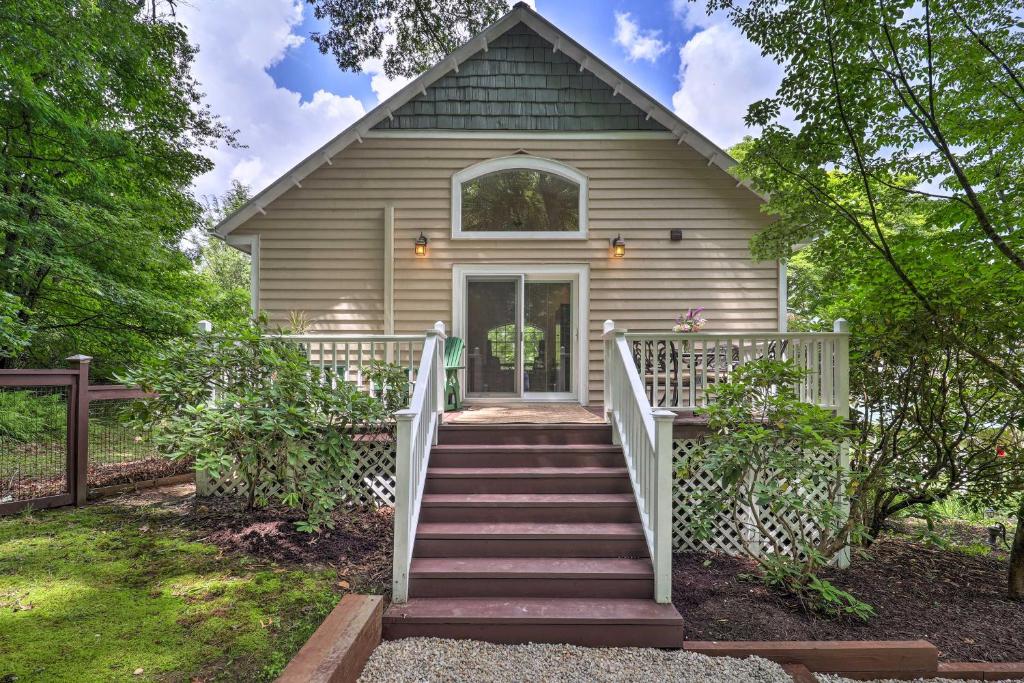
(519, 197)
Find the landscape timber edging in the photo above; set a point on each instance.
(859, 659)
(338, 650)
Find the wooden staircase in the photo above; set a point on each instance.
(530, 533)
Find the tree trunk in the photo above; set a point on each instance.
(1016, 583)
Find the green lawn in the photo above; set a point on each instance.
(111, 593)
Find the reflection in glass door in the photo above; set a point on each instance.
(547, 337)
(492, 339)
(520, 338)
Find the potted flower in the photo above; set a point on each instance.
(691, 321)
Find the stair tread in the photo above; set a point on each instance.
(518, 448)
(547, 530)
(528, 499)
(527, 567)
(524, 472)
(534, 610)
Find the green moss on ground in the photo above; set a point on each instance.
(100, 593)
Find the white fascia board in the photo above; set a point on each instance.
(519, 13)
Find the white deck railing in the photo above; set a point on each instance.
(350, 355)
(416, 433)
(678, 371)
(646, 439)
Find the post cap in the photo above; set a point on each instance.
(662, 414)
(79, 358)
(205, 326)
(609, 325)
(840, 325)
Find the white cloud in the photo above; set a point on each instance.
(638, 43)
(720, 74)
(238, 41)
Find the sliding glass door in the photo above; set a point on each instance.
(520, 337)
(492, 337)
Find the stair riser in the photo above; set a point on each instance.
(505, 547)
(588, 635)
(561, 484)
(526, 459)
(530, 588)
(608, 513)
(514, 435)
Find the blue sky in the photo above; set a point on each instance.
(592, 23)
(265, 78)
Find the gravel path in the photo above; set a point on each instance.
(427, 660)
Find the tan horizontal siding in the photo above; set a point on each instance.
(322, 244)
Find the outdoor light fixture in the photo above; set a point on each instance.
(618, 247)
(421, 245)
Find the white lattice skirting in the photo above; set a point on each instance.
(373, 480)
(724, 536)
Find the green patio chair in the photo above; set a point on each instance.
(453, 348)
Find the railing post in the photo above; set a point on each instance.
(79, 485)
(662, 508)
(842, 389)
(439, 376)
(609, 327)
(842, 382)
(404, 492)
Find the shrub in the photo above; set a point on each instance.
(26, 416)
(252, 405)
(783, 486)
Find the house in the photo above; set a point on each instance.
(521, 195)
(515, 164)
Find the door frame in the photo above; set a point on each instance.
(577, 273)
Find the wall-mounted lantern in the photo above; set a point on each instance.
(421, 245)
(618, 247)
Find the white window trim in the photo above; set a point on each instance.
(513, 162)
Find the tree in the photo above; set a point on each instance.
(226, 267)
(103, 129)
(920, 105)
(930, 421)
(410, 35)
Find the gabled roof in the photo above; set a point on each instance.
(520, 83)
(520, 14)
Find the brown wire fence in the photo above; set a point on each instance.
(64, 440)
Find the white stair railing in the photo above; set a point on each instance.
(415, 434)
(646, 439)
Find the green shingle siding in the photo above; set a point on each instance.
(520, 83)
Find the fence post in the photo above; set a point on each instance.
(662, 508)
(403, 506)
(842, 389)
(79, 484)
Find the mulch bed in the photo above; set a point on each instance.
(359, 545)
(954, 600)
